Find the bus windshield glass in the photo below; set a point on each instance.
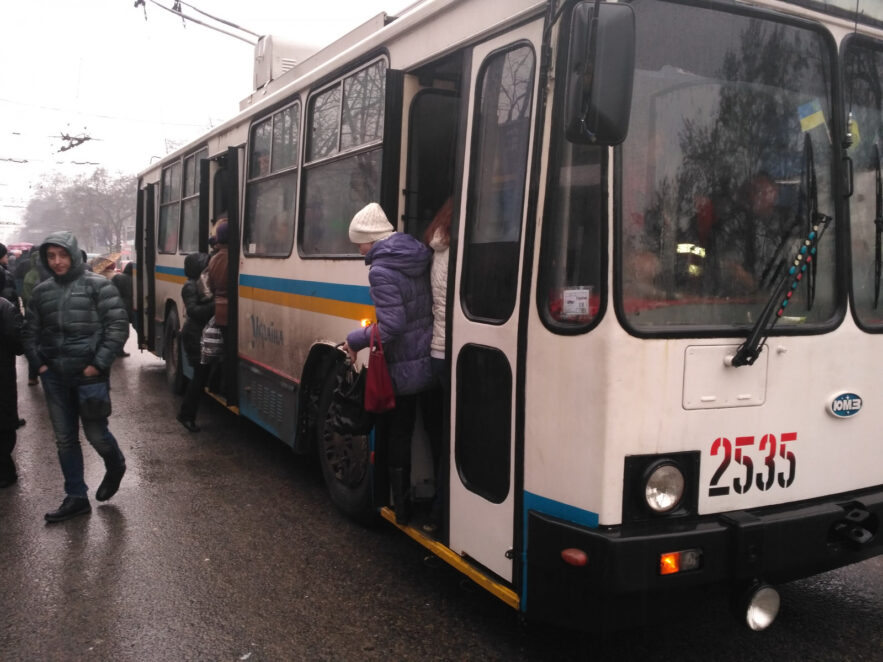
(726, 168)
(863, 69)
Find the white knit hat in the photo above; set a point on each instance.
(370, 224)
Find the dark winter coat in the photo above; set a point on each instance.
(22, 266)
(8, 291)
(123, 283)
(10, 346)
(199, 310)
(75, 320)
(399, 279)
(37, 273)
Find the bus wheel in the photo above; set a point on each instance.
(346, 464)
(172, 351)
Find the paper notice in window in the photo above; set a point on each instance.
(575, 302)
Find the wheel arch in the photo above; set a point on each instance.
(170, 306)
(171, 348)
(320, 364)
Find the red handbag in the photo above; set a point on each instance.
(379, 395)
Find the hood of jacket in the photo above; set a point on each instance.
(400, 252)
(440, 241)
(194, 264)
(68, 242)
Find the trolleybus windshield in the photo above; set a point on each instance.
(710, 209)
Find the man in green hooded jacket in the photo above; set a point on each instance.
(76, 325)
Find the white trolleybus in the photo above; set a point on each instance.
(664, 322)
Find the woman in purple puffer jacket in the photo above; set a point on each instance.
(399, 278)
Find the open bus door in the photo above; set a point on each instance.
(230, 182)
(485, 478)
(138, 285)
(145, 260)
(433, 128)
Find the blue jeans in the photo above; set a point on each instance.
(63, 396)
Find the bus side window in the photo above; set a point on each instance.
(169, 209)
(190, 202)
(496, 196)
(272, 184)
(346, 116)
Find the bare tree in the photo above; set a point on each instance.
(97, 208)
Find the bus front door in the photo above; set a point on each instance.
(145, 252)
(486, 302)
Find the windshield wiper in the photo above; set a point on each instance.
(803, 264)
(878, 226)
(812, 215)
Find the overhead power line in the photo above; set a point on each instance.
(219, 20)
(176, 10)
(117, 118)
(73, 141)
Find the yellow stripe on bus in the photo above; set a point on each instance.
(345, 309)
(180, 280)
(447, 555)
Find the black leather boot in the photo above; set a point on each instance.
(400, 479)
(70, 507)
(111, 482)
(8, 474)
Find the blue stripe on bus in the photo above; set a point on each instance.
(171, 271)
(556, 509)
(335, 291)
(560, 510)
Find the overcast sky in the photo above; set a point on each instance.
(135, 87)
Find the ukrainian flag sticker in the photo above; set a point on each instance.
(811, 115)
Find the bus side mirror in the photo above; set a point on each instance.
(600, 70)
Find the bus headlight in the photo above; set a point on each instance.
(664, 487)
(661, 485)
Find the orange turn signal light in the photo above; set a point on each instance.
(671, 563)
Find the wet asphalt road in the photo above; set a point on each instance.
(223, 546)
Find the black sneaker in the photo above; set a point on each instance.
(110, 484)
(8, 474)
(70, 507)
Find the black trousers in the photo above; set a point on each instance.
(396, 428)
(194, 392)
(7, 443)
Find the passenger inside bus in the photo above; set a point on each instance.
(733, 245)
(435, 402)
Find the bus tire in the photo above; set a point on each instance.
(346, 463)
(172, 352)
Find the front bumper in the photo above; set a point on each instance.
(620, 585)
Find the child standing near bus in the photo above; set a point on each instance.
(199, 311)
